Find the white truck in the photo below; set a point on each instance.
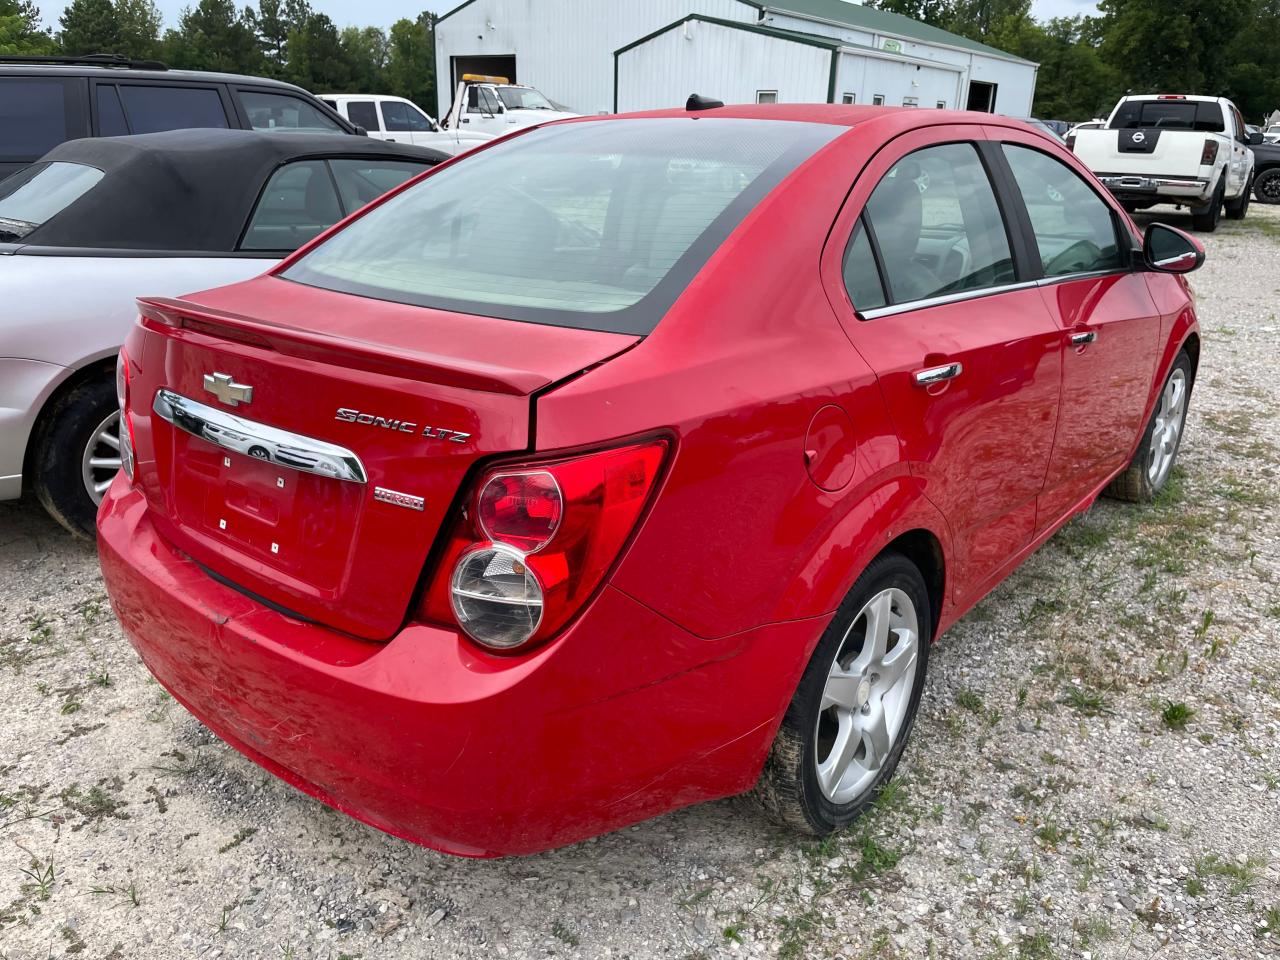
(401, 121)
(1173, 148)
(494, 105)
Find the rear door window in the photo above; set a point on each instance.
(360, 181)
(596, 225)
(282, 111)
(37, 114)
(402, 117)
(1074, 229)
(937, 225)
(364, 113)
(299, 203)
(32, 197)
(152, 109)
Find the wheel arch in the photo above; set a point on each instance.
(924, 549)
(91, 370)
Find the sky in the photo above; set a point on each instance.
(383, 13)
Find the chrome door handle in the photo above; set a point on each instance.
(1080, 339)
(937, 374)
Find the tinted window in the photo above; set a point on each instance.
(400, 117)
(364, 113)
(111, 122)
(594, 225)
(33, 117)
(1074, 229)
(360, 181)
(936, 222)
(298, 204)
(1172, 114)
(861, 276)
(152, 109)
(280, 111)
(35, 195)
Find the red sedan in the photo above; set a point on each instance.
(633, 462)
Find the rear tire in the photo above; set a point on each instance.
(1207, 220)
(1238, 207)
(74, 455)
(856, 703)
(1151, 466)
(1266, 186)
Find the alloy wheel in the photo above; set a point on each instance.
(1168, 427)
(101, 459)
(867, 694)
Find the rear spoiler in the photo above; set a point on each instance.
(417, 365)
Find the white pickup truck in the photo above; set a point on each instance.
(1170, 148)
(495, 106)
(400, 121)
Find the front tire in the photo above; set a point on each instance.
(77, 454)
(1266, 186)
(1149, 470)
(1238, 207)
(848, 722)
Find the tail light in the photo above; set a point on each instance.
(1209, 153)
(1071, 142)
(126, 419)
(535, 541)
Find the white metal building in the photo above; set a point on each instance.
(599, 56)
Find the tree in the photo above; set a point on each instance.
(89, 26)
(936, 13)
(315, 59)
(411, 61)
(1172, 45)
(214, 36)
(1253, 77)
(366, 51)
(138, 25)
(20, 31)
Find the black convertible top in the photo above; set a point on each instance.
(188, 189)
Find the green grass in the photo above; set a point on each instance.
(1089, 702)
(1241, 875)
(969, 700)
(1176, 716)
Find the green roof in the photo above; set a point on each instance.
(880, 21)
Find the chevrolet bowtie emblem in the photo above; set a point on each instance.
(227, 390)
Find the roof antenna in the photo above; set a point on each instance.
(697, 101)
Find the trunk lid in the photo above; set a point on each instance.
(323, 490)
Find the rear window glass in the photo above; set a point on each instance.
(596, 225)
(1169, 114)
(159, 108)
(33, 117)
(37, 194)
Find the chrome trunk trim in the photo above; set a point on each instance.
(252, 439)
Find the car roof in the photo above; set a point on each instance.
(844, 115)
(104, 71)
(188, 189)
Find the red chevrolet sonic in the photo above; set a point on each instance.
(633, 462)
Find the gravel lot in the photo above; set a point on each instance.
(1095, 771)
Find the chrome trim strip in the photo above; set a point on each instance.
(933, 375)
(270, 444)
(945, 299)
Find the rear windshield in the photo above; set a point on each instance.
(35, 195)
(597, 225)
(1169, 114)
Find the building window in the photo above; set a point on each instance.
(849, 98)
(911, 101)
(942, 104)
(878, 100)
(766, 96)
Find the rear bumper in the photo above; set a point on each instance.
(621, 718)
(1154, 189)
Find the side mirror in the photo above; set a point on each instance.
(1169, 250)
(1255, 138)
(360, 131)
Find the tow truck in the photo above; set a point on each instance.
(495, 105)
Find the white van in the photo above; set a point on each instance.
(401, 120)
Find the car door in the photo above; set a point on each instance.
(935, 295)
(1240, 152)
(1103, 309)
(482, 111)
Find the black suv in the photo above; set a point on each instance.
(46, 100)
